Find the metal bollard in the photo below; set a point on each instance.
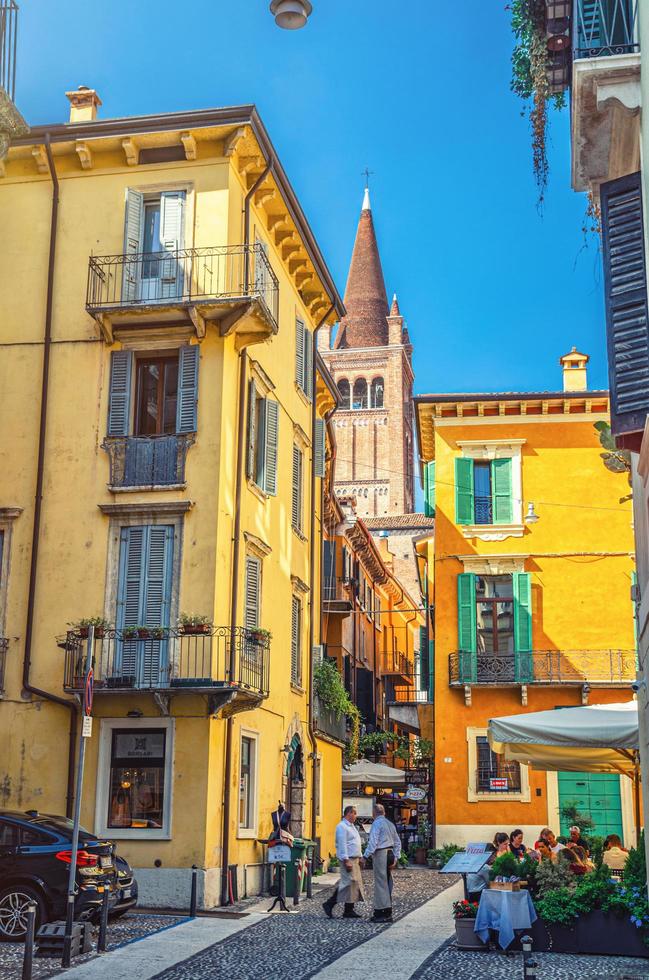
(67, 940)
(103, 922)
(526, 944)
(192, 900)
(282, 884)
(28, 955)
(309, 878)
(530, 967)
(298, 882)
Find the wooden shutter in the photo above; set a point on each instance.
(466, 627)
(299, 353)
(186, 408)
(625, 290)
(319, 449)
(523, 670)
(252, 593)
(171, 233)
(308, 364)
(271, 436)
(119, 397)
(296, 627)
(296, 498)
(501, 491)
(132, 243)
(429, 489)
(464, 498)
(252, 429)
(329, 569)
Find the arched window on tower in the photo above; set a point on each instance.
(345, 393)
(376, 393)
(360, 393)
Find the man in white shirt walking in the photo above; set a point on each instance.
(384, 847)
(348, 851)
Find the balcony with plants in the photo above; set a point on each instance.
(336, 716)
(229, 666)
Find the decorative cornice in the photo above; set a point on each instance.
(299, 585)
(147, 508)
(256, 545)
(9, 513)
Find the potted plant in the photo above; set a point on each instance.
(259, 636)
(129, 632)
(464, 913)
(192, 625)
(434, 858)
(82, 627)
(143, 632)
(158, 632)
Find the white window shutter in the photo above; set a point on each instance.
(252, 428)
(171, 234)
(132, 243)
(319, 449)
(271, 438)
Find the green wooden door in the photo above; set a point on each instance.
(596, 794)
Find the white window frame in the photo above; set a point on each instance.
(488, 449)
(107, 727)
(473, 796)
(7, 517)
(250, 833)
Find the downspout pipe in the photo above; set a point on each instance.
(312, 602)
(28, 687)
(236, 553)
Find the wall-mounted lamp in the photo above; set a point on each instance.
(291, 14)
(369, 791)
(135, 713)
(531, 517)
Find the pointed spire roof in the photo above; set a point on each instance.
(394, 309)
(366, 301)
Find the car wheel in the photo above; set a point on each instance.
(14, 902)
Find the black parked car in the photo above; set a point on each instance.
(35, 854)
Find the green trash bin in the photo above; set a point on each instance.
(296, 870)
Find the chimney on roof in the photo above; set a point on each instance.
(574, 371)
(83, 104)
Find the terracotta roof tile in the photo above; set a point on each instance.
(393, 522)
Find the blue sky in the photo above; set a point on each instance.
(418, 92)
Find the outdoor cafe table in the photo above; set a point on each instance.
(504, 911)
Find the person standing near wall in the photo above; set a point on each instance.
(384, 847)
(349, 852)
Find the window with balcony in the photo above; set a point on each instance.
(153, 236)
(483, 491)
(152, 416)
(494, 628)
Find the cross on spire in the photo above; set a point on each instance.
(367, 174)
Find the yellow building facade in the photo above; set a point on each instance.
(161, 471)
(528, 579)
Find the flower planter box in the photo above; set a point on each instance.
(465, 935)
(84, 632)
(192, 682)
(121, 681)
(597, 933)
(195, 629)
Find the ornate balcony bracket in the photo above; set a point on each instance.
(12, 124)
(524, 695)
(467, 695)
(163, 702)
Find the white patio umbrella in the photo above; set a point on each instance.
(373, 773)
(596, 738)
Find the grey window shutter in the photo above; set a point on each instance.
(319, 449)
(252, 593)
(308, 364)
(186, 408)
(296, 627)
(625, 288)
(299, 353)
(271, 436)
(171, 233)
(157, 598)
(132, 243)
(296, 496)
(119, 397)
(252, 429)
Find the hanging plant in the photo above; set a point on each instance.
(530, 63)
(329, 687)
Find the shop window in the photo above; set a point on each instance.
(137, 779)
(248, 784)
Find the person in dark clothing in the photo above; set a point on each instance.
(516, 845)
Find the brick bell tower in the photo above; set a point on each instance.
(371, 362)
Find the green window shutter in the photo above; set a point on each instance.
(132, 239)
(319, 449)
(429, 489)
(299, 353)
(252, 429)
(501, 491)
(424, 667)
(252, 593)
(308, 364)
(187, 404)
(466, 627)
(119, 397)
(171, 233)
(522, 588)
(464, 499)
(271, 436)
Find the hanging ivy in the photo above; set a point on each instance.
(328, 685)
(530, 80)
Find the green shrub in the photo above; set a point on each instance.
(596, 848)
(505, 866)
(558, 907)
(551, 876)
(635, 869)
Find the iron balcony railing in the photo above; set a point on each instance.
(543, 667)
(8, 34)
(410, 693)
(605, 27)
(4, 645)
(183, 277)
(397, 663)
(328, 723)
(506, 780)
(147, 461)
(159, 659)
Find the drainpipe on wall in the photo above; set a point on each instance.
(28, 688)
(236, 550)
(312, 603)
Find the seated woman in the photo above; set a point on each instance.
(542, 848)
(568, 856)
(581, 855)
(501, 843)
(516, 845)
(614, 854)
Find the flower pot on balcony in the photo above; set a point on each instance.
(144, 634)
(465, 936)
(121, 681)
(195, 629)
(192, 682)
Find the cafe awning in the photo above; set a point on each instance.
(373, 774)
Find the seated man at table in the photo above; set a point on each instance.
(577, 840)
(549, 836)
(614, 854)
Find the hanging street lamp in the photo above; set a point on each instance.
(291, 14)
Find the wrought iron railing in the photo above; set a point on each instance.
(184, 276)
(503, 780)
(543, 667)
(410, 693)
(328, 723)
(4, 645)
(8, 34)
(605, 27)
(147, 461)
(170, 659)
(397, 663)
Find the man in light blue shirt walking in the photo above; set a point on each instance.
(384, 847)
